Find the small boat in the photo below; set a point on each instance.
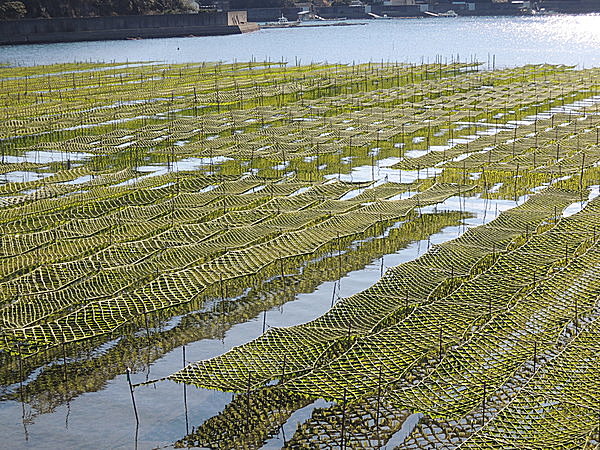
(282, 22)
(449, 13)
(542, 12)
(377, 17)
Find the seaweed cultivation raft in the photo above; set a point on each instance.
(148, 206)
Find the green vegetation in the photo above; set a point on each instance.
(10, 9)
(136, 195)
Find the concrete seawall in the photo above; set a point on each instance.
(37, 31)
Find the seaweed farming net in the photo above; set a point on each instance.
(134, 193)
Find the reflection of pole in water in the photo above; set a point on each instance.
(333, 293)
(149, 346)
(137, 420)
(65, 380)
(68, 414)
(185, 407)
(21, 393)
(282, 422)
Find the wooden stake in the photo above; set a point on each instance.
(483, 408)
(378, 407)
(342, 440)
(248, 403)
(64, 363)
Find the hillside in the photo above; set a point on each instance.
(10, 9)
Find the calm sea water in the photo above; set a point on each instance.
(512, 40)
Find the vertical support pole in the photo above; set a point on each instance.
(64, 363)
(343, 431)
(248, 403)
(378, 409)
(576, 315)
(484, 405)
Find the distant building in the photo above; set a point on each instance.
(399, 2)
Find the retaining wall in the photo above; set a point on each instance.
(31, 31)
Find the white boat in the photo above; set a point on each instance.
(542, 12)
(375, 16)
(449, 13)
(282, 22)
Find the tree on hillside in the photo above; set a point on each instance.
(127, 7)
(12, 10)
(86, 8)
